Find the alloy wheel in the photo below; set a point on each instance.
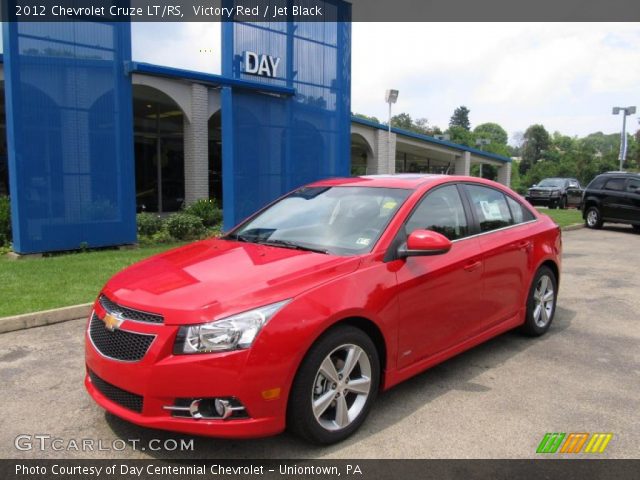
(544, 298)
(592, 218)
(341, 387)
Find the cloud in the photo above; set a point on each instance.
(567, 75)
(189, 45)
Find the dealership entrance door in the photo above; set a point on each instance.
(159, 151)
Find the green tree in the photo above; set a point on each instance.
(462, 136)
(492, 131)
(366, 117)
(460, 118)
(420, 125)
(536, 142)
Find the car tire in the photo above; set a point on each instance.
(541, 303)
(592, 218)
(339, 411)
(636, 228)
(563, 203)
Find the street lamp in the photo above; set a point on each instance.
(391, 96)
(480, 142)
(623, 135)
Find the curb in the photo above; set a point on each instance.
(575, 226)
(46, 317)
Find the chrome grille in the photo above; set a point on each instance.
(119, 344)
(129, 313)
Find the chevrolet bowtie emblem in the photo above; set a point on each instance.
(112, 322)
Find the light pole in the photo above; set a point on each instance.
(623, 135)
(391, 97)
(480, 142)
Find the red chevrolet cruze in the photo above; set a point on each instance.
(299, 316)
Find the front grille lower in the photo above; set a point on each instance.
(119, 344)
(117, 395)
(129, 313)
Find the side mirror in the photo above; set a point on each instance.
(534, 185)
(422, 243)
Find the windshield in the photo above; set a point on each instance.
(336, 220)
(551, 182)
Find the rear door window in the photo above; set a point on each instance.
(633, 185)
(490, 206)
(615, 184)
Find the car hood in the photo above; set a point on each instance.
(212, 279)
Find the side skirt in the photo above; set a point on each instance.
(394, 377)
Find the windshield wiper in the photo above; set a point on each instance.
(292, 245)
(238, 237)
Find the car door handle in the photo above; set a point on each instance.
(470, 267)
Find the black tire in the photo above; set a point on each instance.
(553, 205)
(636, 228)
(301, 419)
(593, 218)
(563, 203)
(534, 326)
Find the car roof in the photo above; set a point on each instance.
(619, 173)
(409, 181)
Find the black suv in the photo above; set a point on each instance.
(612, 197)
(556, 192)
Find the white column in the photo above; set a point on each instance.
(384, 161)
(504, 174)
(196, 146)
(463, 164)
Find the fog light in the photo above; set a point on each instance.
(223, 408)
(207, 408)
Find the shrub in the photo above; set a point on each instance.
(148, 224)
(206, 210)
(183, 226)
(5, 221)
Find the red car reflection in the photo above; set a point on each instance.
(299, 316)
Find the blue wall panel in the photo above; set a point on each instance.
(69, 134)
(274, 144)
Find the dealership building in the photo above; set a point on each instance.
(92, 137)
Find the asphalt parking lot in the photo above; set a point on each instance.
(495, 401)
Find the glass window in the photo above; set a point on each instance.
(552, 182)
(633, 185)
(596, 184)
(616, 184)
(490, 206)
(337, 220)
(442, 212)
(519, 213)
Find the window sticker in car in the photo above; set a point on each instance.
(389, 205)
(363, 241)
(491, 211)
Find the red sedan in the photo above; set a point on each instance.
(300, 315)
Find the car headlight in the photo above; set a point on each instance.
(232, 333)
(555, 193)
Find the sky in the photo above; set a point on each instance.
(566, 76)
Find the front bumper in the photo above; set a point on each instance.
(160, 378)
(545, 201)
